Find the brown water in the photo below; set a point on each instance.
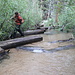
(22, 62)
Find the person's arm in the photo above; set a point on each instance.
(11, 18)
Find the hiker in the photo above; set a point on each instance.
(18, 21)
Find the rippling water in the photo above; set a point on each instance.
(23, 62)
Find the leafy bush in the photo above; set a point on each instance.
(28, 9)
(67, 18)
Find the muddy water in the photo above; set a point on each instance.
(23, 62)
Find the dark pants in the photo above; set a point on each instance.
(17, 28)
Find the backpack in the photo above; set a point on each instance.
(22, 21)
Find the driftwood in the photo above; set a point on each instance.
(19, 41)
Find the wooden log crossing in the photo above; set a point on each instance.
(12, 43)
(33, 32)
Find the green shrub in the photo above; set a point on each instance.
(28, 9)
(67, 18)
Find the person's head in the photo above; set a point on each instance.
(16, 13)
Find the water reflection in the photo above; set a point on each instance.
(40, 50)
(31, 48)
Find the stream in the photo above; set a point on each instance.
(55, 55)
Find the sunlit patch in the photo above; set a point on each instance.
(37, 51)
(32, 49)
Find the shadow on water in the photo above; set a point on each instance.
(67, 47)
(40, 50)
(60, 41)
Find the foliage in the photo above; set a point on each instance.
(67, 18)
(48, 22)
(28, 9)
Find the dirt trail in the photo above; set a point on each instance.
(22, 62)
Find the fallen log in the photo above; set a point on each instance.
(19, 41)
(31, 32)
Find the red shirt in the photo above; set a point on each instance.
(18, 19)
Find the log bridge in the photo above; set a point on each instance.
(12, 43)
(33, 32)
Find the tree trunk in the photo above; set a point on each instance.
(19, 41)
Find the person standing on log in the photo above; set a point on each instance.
(18, 21)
